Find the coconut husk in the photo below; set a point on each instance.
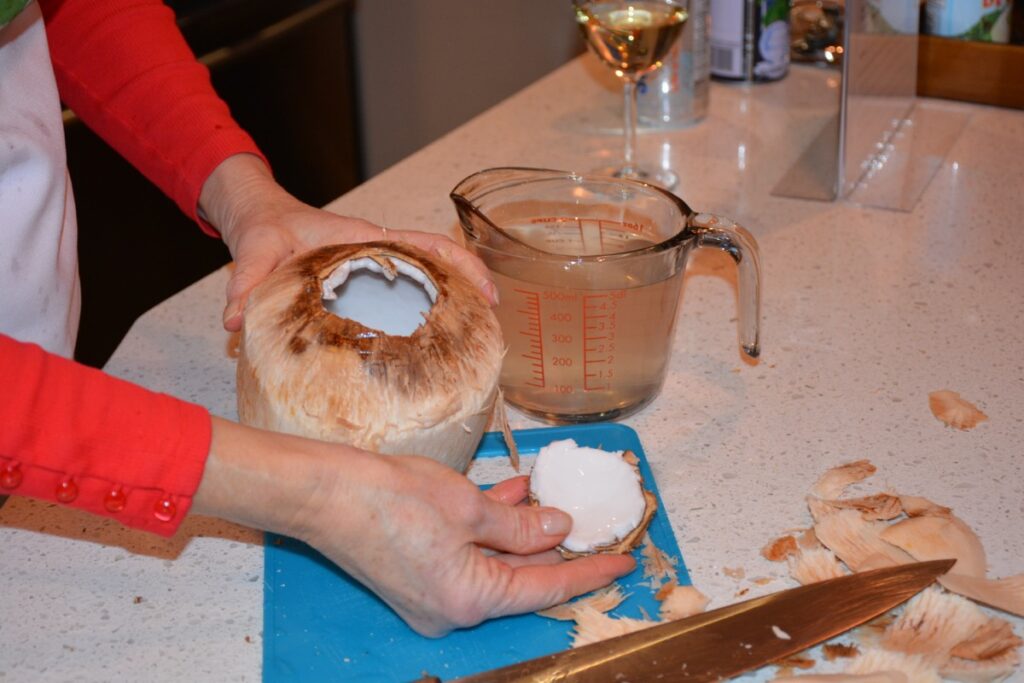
(307, 371)
(955, 411)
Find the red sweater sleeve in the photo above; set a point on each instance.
(74, 435)
(124, 68)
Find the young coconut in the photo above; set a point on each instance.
(601, 490)
(376, 345)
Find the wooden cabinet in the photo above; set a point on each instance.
(285, 69)
(987, 73)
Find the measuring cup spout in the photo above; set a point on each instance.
(720, 233)
(482, 203)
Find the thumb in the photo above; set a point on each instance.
(248, 273)
(522, 529)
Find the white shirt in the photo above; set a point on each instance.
(40, 297)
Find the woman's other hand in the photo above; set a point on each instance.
(264, 226)
(440, 552)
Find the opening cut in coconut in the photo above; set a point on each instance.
(422, 379)
(386, 294)
(600, 490)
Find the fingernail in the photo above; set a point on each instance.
(555, 522)
(491, 292)
(232, 311)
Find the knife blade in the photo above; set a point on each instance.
(728, 641)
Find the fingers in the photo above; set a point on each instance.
(462, 259)
(249, 271)
(537, 587)
(521, 529)
(511, 491)
(471, 266)
(547, 557)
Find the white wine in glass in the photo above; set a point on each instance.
(632, 38)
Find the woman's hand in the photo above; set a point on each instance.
(425, 539)
(263, 226)
(425, 529)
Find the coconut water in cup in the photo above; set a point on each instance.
(589, 271)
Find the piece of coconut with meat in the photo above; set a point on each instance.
(427, 389)
(601, 490)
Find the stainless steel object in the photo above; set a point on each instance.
(728, 641)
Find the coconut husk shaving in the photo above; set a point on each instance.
(658, 566)
(593, 622)
(603, 600)
(501, 417)
(954, 411)
(942, 633)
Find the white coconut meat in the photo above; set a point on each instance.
(376, 345)
(600, 490)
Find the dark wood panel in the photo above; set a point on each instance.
(987, 73)
(290, 84)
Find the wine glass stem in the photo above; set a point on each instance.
(629, 127)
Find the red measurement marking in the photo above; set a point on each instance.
(592, 304)
(534, 335)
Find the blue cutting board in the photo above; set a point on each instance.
(321, 625)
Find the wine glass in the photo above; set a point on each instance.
(632, 38)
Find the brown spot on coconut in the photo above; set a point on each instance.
(939, 538)
(955, 411)
(377, 345)
(601, 490)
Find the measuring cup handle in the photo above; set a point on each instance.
(721, 233)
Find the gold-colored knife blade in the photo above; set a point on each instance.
(726, 642)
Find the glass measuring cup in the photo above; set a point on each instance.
(589, 271)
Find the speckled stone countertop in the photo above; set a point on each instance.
(865, 312)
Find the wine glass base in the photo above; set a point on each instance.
(661, 177)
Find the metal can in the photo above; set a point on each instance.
(750, 39)
(676, 95)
